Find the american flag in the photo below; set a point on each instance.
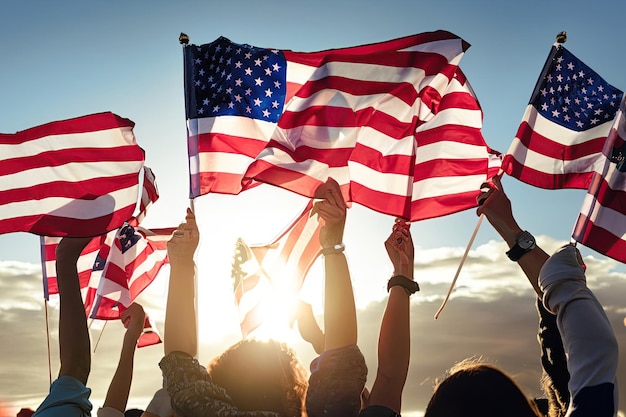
(75, 177)
(560, 139)
(263, 274)
(601, 224)
(395, 123)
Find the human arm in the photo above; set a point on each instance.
(74, 343)
(340, 326)
(394, 342)
(180, 314)
(588, 339)
(117, 395)
(496, 206)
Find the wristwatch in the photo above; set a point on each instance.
(524, 242)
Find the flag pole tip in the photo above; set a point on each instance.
(183, 38)
(561, 37)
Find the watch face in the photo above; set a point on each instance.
(526, 241)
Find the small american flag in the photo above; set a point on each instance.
(77, 177)
(395, 123)
(260, 272)
(560, 139)
(601, 224)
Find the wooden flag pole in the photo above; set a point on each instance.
(100, 336)
(458, 270)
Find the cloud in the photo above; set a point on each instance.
(491, 314)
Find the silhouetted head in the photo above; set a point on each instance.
(479, 390)
(262, 376)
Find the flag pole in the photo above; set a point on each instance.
(458, 270)
(100, 336)
(45, 302)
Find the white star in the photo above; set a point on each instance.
(581, 73)
(598, 112)
(274, 104)
(583, 90)
(257, 62)
(266, 113)
(248, 91)
(579, 124)
(551, 90)
(265, 57)
(567, 101)
(248, 55)
(590, 105)
(238, 82)
(558, 67)
(216, 109)
(197, 83)
(277, 84)
(570, 66)
(228, 48)
(200, 111)
(577, 101)
(198, 61)
(238, 64)
(559, 78)
(218, 48)
(594, 121)
(268, 71)
(231, 105)
(229, 90)
(268, 93)
(555, 113)
(544, 107)
(566, 118)
(248, 71)
(258, 81)
(201, 72)
(549, 77)
(577, 114)
(205, 102)
(564, 109)
(276, 67)
(238, 98)
(590, 81)
(257, 102)
(238, 51)
(559, 59)
(248, 109)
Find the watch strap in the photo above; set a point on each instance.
(410, 286)
(332, 250)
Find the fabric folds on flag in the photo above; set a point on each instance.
(264, 276)
(601, 224)
(395, 123)
(75, 177)
(560, 139)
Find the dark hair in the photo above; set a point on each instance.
(133, 412)
(474, 389)
(262, 376)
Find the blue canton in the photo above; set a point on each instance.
(128, 237)
(574, 96)
(225, 78)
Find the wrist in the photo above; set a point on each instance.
(409, 285)
(333, 249)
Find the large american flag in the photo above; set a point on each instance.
(601, 224)
(560, 139)
(76, 177)
(268, 274)
(395, 123)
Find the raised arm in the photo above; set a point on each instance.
(180, 314)
(496, 206)
(74, 343)
(394, 342)
(133, 319)
(340, 327)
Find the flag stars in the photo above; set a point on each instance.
(248, 71)
(555, 113)
(594, 121)
(590, 81)
(258, 81)
(570, 66)
(277, 84)
(238, 82)
(268, 71)
(276, 67)
(237, 98)
(266, 113)
(275, 104)
(238, 64)
(257, 102)
(268, 93)
(216, 109)
(598, 112)
(247, 55)
(248, 109)
(257, 62)
(248, 91)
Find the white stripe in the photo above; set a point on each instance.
(229, 163)
(604, 217)
(99, 140)
(440, 186)
(449, 151)
(550, 165)
(232, 126)
(453, 116)
(145, 266)
(389, 183)
(71, 172)
(451, 49)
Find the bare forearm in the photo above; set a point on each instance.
(117, 395)
(340, 327)
(180, 314)
(394, 346)
(74, 343)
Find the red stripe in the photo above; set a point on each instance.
(87, 190)
(62, 157)
(220, 142)
(545, 146)
(601, 240)
(51, 225)
(247, 284)
(83, 124)
(315, 58)
(294, 181)
(252, 320)
(610, 198)
(550, 181)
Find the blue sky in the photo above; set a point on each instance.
(66, 59)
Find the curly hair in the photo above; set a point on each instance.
(262, 376)
(475, 389)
